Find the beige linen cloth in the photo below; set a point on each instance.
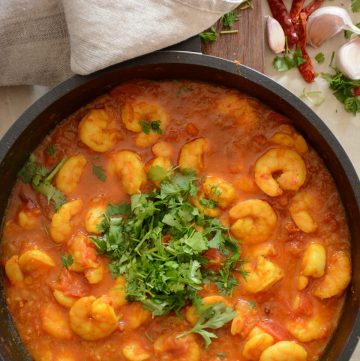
(45, 41)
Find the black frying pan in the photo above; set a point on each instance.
(30, 129)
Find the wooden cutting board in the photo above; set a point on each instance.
(246, 46)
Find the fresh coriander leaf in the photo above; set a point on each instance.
(229, 19)
(352, 105)
(343, 89)
(215, 190)
(320, 58)
(348, 33)
(99, 172)
(209, 36)
(297, 56)
(67, 261)
(208, 203)
(152, 126)
(51, 150)
(40, 178)
(122, 209)
(157, 173)
(145, 126)
(155, 126)
(213, 317)
(355, 5)
(252, 304)
(288, 60)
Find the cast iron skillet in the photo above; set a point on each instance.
(31, 128)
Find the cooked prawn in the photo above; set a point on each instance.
(163, 149)
(94, 215)
(134, 350)
(61, 225)
(29, 262)
(55, 321)
(185, 348)
(98, 131)
(64, 300)
(219, 190)
(293, 140)
(306, 330)
(192, 155)
(337, 276)
(70, 173)
(257, 341)
(314, 261)
(29, 218)
(284, 351)
(238, 108)
(286, 161)
(262, 275)
(300, 211)
(93, 318)
(244, 312)
(118, 292)
(254, 220)
(129, 168)
(134, 113)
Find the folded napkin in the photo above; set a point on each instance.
(46, 41)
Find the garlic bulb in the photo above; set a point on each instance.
(348, 59)
(326, 22)
(276, 35)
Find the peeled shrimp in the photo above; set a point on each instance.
(306, 330)
(61, 226)
(98, 131)
(129, 168)
(192, 155)
(93, 318)
(301, 211)
(133, 113)
(337, 276)
(219, 190)
(262, 275)
(70, 173)
(292, 140)
(284, 351)
(55, 321)
(185, 348)
(254, 220)
(286, 161)
(257, 341)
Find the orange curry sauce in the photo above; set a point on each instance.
(239, 131)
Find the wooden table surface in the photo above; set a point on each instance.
(246, 46)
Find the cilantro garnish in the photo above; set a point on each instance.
(211, 316)
(288, 60)
(348, 33)
(51, 150)
(344, 88)
(209, 36)
(229, 19)
(152, 126)
(320, 58)
(208, 203)
(355, 5)
(67, 260)
(99, 172)
(40, 178)
(159, 245)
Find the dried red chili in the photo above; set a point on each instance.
(296, 8)
(281, 14)
(314, 5)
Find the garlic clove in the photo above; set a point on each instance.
(348, 59)
(276, 35)
(326, 22)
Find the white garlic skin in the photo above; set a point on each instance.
(276, 35)
(326, 22)
(348, 59)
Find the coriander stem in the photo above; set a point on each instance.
(55, 170)
(224, 32)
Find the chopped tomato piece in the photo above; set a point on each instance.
(274, 329)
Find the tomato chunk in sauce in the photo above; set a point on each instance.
(255, 173)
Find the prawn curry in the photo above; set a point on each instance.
(175, 220)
